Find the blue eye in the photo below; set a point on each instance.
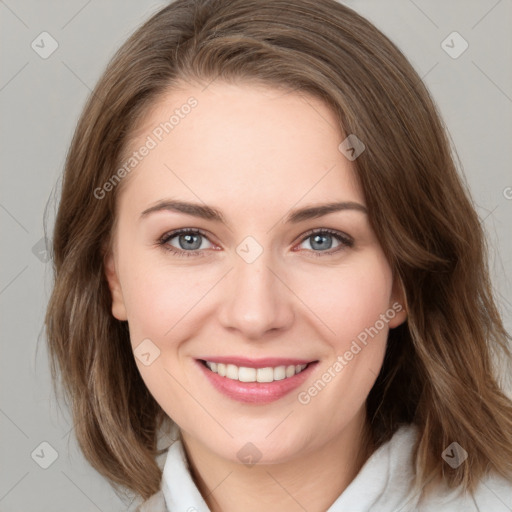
(187, 239)
(322, 239)
(190, 242)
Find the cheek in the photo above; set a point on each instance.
(159, 301)
(159, 297)
(352, 297)
(352, 306)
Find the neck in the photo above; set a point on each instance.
(304, 483)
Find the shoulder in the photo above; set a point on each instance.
(493, 493)
(155, 503)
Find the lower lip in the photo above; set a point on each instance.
(256, 392)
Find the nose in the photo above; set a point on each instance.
(255, 299)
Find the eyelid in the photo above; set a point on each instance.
(336, 233)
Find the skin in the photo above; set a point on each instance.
(255, 153)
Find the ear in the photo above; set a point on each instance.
(118, 307)
(398, 303)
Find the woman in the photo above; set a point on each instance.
(225, 145)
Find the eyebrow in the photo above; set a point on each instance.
(211, 213)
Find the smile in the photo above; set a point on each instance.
(246, 374)
(255, 381)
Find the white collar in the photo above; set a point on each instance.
(382, 482)
(180, 491)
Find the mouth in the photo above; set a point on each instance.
(255, 381)
(251, 374)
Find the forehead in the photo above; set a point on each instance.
(244, 145)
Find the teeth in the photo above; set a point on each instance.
(265, 375)
(280, 373)
(232, 371)
(290, 371)
(245, 374)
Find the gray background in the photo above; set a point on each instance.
(40, 100)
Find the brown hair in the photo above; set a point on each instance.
(438, 371)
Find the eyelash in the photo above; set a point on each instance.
(345, 242)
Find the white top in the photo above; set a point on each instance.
(381, 485)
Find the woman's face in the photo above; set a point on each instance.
(253, 288)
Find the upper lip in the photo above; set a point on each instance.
(257, 363)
